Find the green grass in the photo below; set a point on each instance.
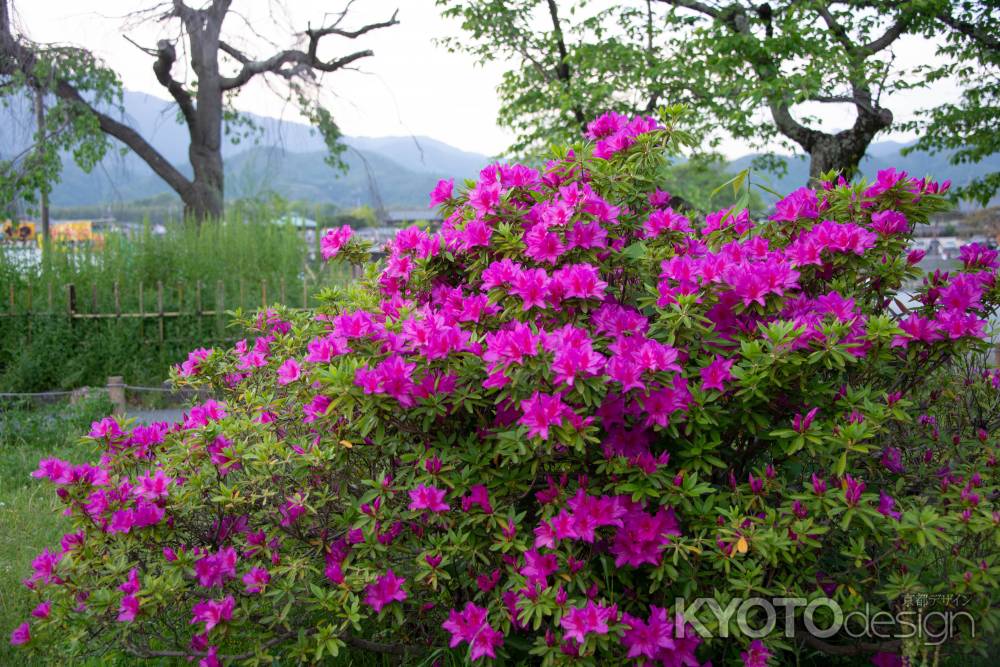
(30, 518)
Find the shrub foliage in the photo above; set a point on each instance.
(530, 433)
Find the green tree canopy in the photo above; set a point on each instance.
(760, 72)
(970, 126)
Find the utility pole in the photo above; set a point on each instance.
(44, 212)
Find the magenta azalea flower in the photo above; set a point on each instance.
(592, 618)
(21, 634)
(798, 205)
(888, 223)
(643, 536)
(885, 180)
(256, 579)
(333, 240)
(106, 428)
(128, 609)
(213, 612)
(470, 626)
(651, 637)
(153, 487)
(428, 498)
(214, 569)
(289, 372)
(853, 489)
(886, 503)
(43, 610)
(541, 412)
(192, 365)
(387, 589)
(442, 192)
(756, 654)
(717, 372)
(532, 285)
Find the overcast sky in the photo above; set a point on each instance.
(410, 86)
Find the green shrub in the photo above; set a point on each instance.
(535, 432)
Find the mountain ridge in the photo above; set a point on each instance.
(286, 157)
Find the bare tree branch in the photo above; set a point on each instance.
(700, 7)
(166, 56)
(892, 33)
(125, 134)
(301, 61)
(839, 32)
(857, 100)
(276, 64)
(991, 42)
(316, 35)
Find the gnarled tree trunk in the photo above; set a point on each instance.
(204, 199)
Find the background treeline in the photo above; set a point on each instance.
(165, 208)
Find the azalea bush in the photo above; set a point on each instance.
(526, 436)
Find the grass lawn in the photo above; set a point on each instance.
(29, 510)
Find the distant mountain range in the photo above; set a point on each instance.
(284, 157)
(288, 158)
(881, 155)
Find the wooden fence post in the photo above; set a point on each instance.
(220, 307)
(78, 395)
(159, 306)
(27, 314)
(71, 302)
(142, 315)
(197, 306)
(116, 393)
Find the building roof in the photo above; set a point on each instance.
(297, 220)
(413, 215)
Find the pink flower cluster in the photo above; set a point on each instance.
(615, 132)
(471, 626)
(192, 365)
(386, 589)
(657, 638)
(333, 240)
